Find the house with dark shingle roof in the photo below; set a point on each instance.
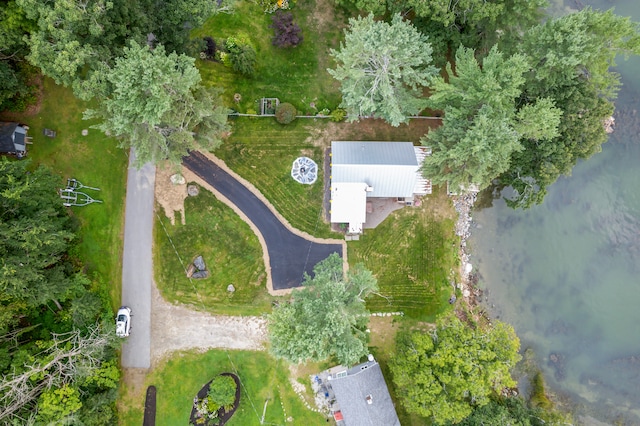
(13, 139)
(360, 395)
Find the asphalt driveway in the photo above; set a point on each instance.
(290, 255)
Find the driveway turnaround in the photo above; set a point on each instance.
(137, 265)
(290, 255)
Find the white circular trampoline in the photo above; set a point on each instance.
(304, 170)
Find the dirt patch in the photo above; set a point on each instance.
(383, 333)
(169, 195)
(178, 327)
(369, 129)
(132, 385)
(323, 17)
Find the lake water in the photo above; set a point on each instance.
(566, 274)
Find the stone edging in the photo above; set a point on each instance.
(190, 176)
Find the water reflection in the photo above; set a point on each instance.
(565, 274)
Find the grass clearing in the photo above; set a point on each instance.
(180, 378)
(94, 160)
(412, 253)
(230, 249)
(262, 151)
(296, 75)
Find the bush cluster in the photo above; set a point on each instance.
(286, 113)
(240, 54)
(286, 32)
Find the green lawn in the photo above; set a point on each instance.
(262, 151)
(179, 379)
(230, 249)
(95, 161)
(297, 75)
(413, 254)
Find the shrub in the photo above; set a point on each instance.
(210, 47)
(243, 59)
(285, 113)
(241, 55)
(286, 33)
(222, 393)
(337, 115)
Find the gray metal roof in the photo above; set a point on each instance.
(7, 130)
(370, 153)
(351, 393)
(388, 167)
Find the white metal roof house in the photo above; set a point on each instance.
(361, 396)
(364, 170)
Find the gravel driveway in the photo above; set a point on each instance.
(176, 327)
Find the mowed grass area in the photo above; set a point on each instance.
(95, 160)
(297, 75)
(230, 249)
(262, 151)
(413, 254)
(263, 378)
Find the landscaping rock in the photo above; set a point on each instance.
(199, 263)
(190, 270)
(200, 274)
(177, 179)
(193, 190)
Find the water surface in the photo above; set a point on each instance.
(566, 273)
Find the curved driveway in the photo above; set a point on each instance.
(290, 255)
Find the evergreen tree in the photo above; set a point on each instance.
(156, 104)
(382, 68)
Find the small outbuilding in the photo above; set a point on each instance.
(13, 139)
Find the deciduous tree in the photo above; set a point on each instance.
(445, 373)
(157, 106)
(382, 68)
(325, 318)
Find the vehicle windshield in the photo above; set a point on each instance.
(122, 318)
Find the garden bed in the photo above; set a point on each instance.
(223, 415)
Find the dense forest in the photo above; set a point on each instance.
(522, 98)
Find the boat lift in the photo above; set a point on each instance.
(72, 197)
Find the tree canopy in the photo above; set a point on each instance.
(570, 59)
(382, 68)
(156, 105)
(443, 374)
(326, 318)
(482, 127)
(51, 356)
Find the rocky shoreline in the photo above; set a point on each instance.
(463, 205)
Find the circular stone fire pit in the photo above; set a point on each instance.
(304, 170)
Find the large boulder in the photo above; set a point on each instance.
(199, 263)
(200, 274)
